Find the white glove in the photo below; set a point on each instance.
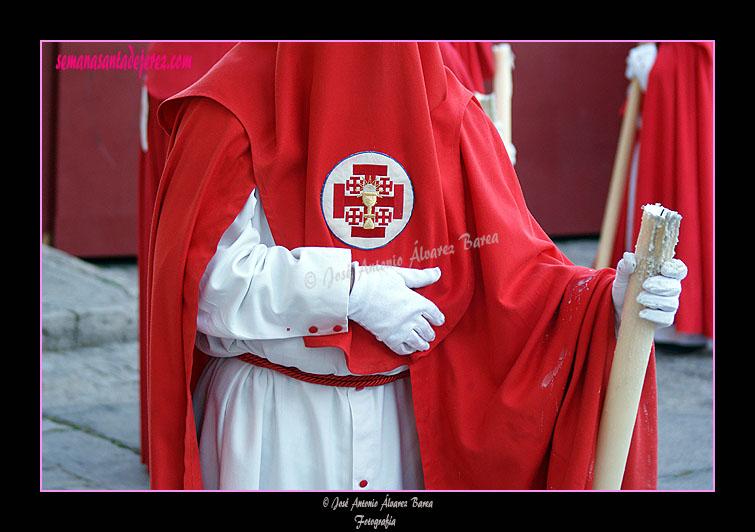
(383, 301)
(660, 294)
(639, 63)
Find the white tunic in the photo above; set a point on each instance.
(260, 429)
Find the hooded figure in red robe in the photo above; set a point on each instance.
(508, 393)
(674, 167)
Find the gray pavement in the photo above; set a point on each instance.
(90, 376)
(89, 366)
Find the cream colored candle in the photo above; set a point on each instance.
(659, 233)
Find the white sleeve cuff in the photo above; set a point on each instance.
(252, 291)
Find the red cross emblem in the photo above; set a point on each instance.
(367, 199)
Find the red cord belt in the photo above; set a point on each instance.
(348, 381)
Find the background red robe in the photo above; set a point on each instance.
(472, 63)
(509, 394)
(675, 168)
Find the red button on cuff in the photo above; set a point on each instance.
(337, 328)
(363, 484)
(313, 329)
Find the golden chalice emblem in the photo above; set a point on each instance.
(369, 195)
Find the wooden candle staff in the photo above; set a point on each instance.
(619, 176)
(659, 233)
(503, 84)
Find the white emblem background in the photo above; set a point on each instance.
(344, 171)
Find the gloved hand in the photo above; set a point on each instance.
(660, 293)
(639, 63)
(383, 301)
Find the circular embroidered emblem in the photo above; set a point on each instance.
(367, 200)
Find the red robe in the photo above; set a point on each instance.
(161, 84)
(675, 168)
(509, 394)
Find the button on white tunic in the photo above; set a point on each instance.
(260, 429)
